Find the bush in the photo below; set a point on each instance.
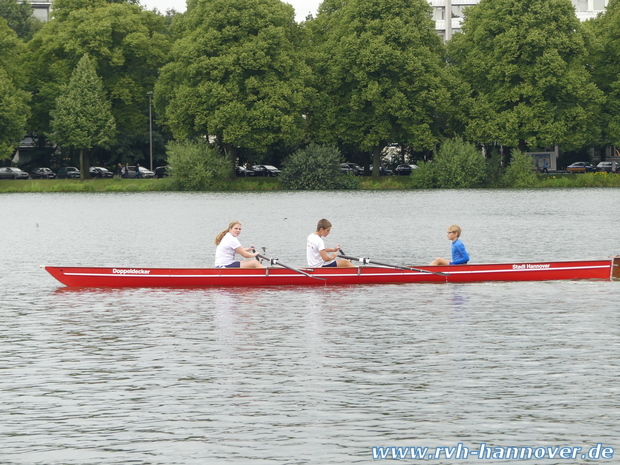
(196, 166)
(520, 172)
(424, 177)
(316, 167)
(459, 164)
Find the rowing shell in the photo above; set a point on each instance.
(241, 277)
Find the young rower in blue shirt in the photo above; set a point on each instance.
(459, 254)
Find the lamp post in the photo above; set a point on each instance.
(150, 94)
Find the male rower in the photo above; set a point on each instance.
(459, 253)
(318, 255)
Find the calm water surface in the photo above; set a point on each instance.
(304, 375)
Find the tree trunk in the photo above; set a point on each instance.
(82, 165)
(376, 162)
(231, 152)
(523, 145)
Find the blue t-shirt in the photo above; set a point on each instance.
(459, 254)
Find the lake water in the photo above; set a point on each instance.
(305, 375)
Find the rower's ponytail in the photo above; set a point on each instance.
(221, 235)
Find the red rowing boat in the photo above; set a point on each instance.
(274, 276)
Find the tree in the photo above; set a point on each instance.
(604, 48)
(14, 109)
(524, 63)
(126, 44)
(236, 75)
(380, 76)
(83, 117)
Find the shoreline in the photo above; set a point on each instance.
(543, 181)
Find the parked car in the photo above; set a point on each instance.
(355, 168)
(382, 171)
(42, 173)
(162, 172)
(581, 167)
(100, 172)
(265, 170)
(345, 168)
(67, 172)
(144, 173)
(405, 170)
(242, 171)
(13, 173)
(604, 166)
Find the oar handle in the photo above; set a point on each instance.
(272, 261)
(363, 260)
(275, 261)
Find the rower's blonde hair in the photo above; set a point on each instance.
(221, 235)
(455, 228)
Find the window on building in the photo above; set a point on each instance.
(457, 11)
(598, 5)
(439, 13)
(582, 5)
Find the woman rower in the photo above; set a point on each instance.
(228, 244)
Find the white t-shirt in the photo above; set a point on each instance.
(313, 251)
(225, 251)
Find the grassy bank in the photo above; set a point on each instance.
(271, 184)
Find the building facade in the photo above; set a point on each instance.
(41, 9)
(448, 14)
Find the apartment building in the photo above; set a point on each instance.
(41, 9)
(448, 14)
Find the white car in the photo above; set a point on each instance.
(144, 173)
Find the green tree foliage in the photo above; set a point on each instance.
(459, 164)
(236, 73)
(524, 61)
(126, 44)
(379, 75)
(316, 167)
(604, 47)
(14, 108)
(520, 172)
(82, 118)
(196, 166)
(19, 18)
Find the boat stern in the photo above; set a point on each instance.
(615, 267)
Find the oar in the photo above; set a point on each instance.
(275, 261)
(366, 261)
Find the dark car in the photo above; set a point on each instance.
(67, 172)
(604, 166)
(382, 171)
(355, 168)
(162, 172)
(265, 170)
(42, 173)
(581, 167)
(404, 170)
(345, 168)
(100, 172)
(13, 173)
(243, 172)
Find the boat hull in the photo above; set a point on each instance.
(240, 277)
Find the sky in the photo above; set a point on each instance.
(302, 7)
